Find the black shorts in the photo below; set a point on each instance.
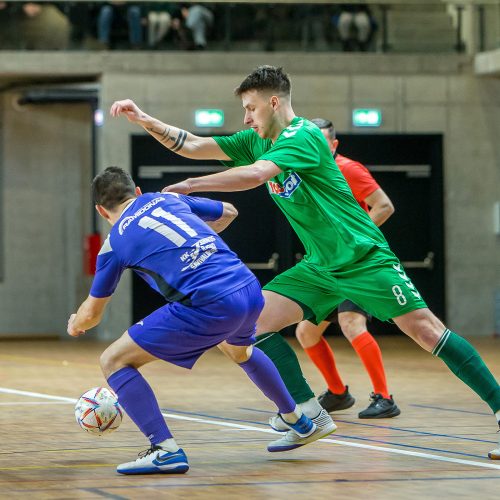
(347, 306)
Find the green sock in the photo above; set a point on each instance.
(285, 359)
(466, 363)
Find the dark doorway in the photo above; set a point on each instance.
(408, 168)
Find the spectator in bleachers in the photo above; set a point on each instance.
(5, 23)
(33, 26)
(120, 12)
(311, 19)
(355, 25)
(159, 15)
(80, 16)
(198, 20)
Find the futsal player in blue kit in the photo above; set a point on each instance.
(212, 299)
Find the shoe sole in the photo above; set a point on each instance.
(494, 454)
(181, 468)
(393, 412)
(313, 437)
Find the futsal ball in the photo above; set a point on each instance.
(98, 411)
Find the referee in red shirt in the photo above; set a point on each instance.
(352, 319)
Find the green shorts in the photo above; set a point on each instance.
(377, 283)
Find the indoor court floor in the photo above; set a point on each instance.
(436, 448)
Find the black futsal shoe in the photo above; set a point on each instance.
(380, 407)
(334, 402)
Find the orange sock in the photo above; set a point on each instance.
(321, 355)
(368, 350)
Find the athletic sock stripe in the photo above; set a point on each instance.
(266, 336)
(441, 343)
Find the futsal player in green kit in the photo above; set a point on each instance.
(347, 257)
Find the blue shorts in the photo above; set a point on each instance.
(180, 334)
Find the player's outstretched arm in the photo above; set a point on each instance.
(234, 179)
(229, 213)
(89, 314)
(177, 140)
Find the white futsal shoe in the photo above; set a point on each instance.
(156, 460)
(291, 440)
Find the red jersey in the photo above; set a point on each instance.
(358, 177)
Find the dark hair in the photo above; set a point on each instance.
(322, 123)
(266, 78)
(112, 187)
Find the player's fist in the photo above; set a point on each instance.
(127, 108)
(71, 329)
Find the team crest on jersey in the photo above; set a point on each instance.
(290, 184)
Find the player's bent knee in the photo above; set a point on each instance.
(352, 324)
(109, 362)
(308, 334)
(113, 358)
(422, 326)
(238, 354)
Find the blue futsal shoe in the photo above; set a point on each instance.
(156, 460)
(302, 433)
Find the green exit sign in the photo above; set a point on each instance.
(368, 117)
(209, 117)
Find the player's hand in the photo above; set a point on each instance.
(183, 187)
(71, 329)
(128, 108)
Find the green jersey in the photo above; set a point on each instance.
(311, 191)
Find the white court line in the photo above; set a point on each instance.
(380, 449)
(37, 395)
(38, 403)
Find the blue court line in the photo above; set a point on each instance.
(281, 483)
(450, 409)
(225, 419)
(425, 448)
(194, 414)
(169, 484)
(392, 428)
(99, 492)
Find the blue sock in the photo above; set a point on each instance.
(138, 400)
(262, 372)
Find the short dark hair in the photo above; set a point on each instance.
(266, 78)
(112, 187)
(323, 123)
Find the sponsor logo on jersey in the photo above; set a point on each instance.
(290, 184)
(128, 220)
(200, 252)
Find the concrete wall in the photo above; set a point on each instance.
(415, 93)
(459, 105)
(45, 172)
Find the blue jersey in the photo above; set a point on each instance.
(163, 238)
